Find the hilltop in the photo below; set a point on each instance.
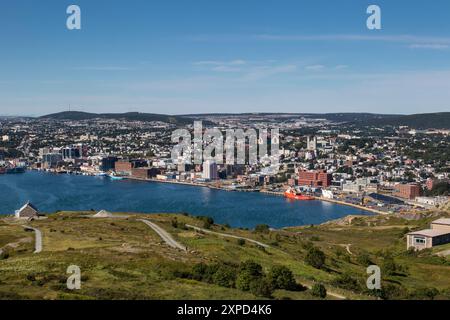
(123, 258)
(417, 121)
(129, 116)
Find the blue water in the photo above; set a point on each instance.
(50, 193)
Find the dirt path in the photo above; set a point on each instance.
(164, 235)
(228, 235)
(330, 293)
(38, 237)
(444, 253)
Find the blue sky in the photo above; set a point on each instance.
(196, 56)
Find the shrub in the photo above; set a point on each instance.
(261, 288)
(280, 277)
(224, 276)
(345, 281)
(389, 266)
(240, 241)
(207, 221)
(424, 293)
(249, 272)
(177, 225)
(4, 255)
(389, 292)
(262, 228)
(315, 258)
(319, 290)
(252, 267)
(364, 259)
(199, 271)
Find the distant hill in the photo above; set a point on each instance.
(337, 117)
(417, 121)
(129, 116)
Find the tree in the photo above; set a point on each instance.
(319, 290)
(249, 271)
(207, 221)
(315, 258)
(204, 272)
(262, 228)
(280, 277)
(224, 276)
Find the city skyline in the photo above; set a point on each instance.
(191, 58)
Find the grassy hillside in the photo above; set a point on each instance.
(125, 259)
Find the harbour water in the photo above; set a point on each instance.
(51, 192)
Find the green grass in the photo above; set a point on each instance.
(125, 259)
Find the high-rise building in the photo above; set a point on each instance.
(51, 160)
(210, 170)
(71, 153)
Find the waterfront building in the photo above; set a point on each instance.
(318, 178)
(51, 160)
(108, 163)
(28, 211)
(210, 170)
(72, 153)
(144, 173)
(125, 167)
(407, 191)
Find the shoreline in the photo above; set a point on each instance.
(273, 193)
(205, 185)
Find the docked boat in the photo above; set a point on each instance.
(101, 174)
(113, 176)
(291, 193)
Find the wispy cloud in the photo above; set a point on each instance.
(357, 37)
(394, 38)
(341, 67)
(431, 46)
(237, 62)
(315, 67)
(102, 68)
(262, 72)
(249, 70)
(224, 68)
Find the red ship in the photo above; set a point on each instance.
(292, 194)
